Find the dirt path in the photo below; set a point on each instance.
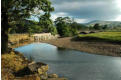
(102, 48)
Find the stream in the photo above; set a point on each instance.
(73, 64)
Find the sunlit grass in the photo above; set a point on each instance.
(12, 61)
(103, 36)
(17, 37)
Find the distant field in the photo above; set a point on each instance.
(102, 36)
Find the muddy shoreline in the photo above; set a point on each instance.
(101, 48)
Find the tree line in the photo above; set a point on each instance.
(64, 26)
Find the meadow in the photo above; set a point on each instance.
(114, 37)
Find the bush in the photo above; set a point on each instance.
(53, 30)
(36, 29)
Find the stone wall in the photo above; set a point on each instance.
(44, 36)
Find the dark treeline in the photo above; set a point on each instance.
(29, 26)
(64, 26)
(67, 27)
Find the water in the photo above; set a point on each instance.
(74, 64)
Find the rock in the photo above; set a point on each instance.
(40, 71)
(44, 76)
(57, 79)
(52, 76)
(44, 68)
(38, 67)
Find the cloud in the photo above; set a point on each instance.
(88, 9)
(118, 18)
(59, 14)
(77, 5)
(80, 20)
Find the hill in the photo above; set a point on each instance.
(109, 23)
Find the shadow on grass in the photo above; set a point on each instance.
(95, 39)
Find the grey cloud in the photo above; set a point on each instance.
(61, 1)
(87, 9)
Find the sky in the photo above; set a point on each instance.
(83, 11)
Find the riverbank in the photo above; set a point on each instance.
(16, 67)
(84, 44)
(101, 48)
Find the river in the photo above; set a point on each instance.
(73, 64)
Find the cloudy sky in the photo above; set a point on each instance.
(87, 10)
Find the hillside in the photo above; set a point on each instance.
(109, 23)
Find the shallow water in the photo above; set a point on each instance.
(74, 64)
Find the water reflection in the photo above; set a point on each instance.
(73, 64)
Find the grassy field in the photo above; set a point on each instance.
(102, 36)
(17, 37)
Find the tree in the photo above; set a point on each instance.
(30, 32)
(105, 27)
(53, 30)
(97, 26)
(63, 26)
(36, 28)
(60, 20)
(67, 27)
(16, 10)
(45, 22)
(78, 26)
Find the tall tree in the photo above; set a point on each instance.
(45, 22)
(63, 25)
(97, 27)
(16, 10)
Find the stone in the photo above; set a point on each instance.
(44, 76)
(40, 71)
(38, 67)
(52, 76)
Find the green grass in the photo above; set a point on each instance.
(102, 36)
